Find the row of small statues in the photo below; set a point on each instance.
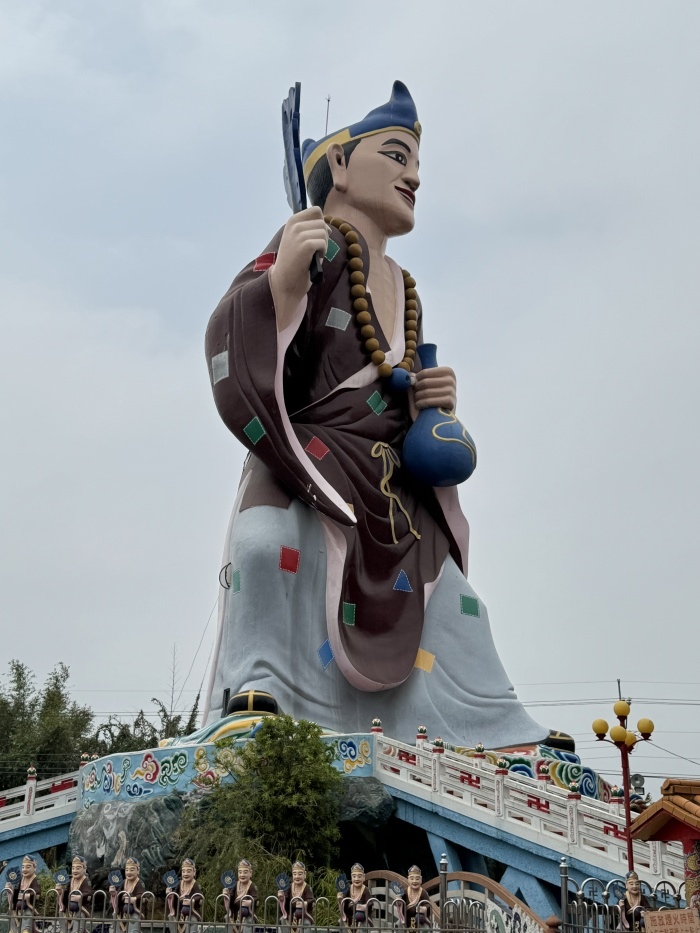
(184, 898)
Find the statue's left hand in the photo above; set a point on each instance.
(435, 388)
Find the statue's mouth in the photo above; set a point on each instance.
(407, 194)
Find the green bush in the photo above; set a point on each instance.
(282, 805)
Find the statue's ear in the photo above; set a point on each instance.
(338, 168)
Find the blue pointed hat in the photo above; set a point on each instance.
(399, 113)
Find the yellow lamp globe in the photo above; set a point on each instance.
(630, 740)
(600, 727)
(618, 733)
(621, 708)
(646, 727)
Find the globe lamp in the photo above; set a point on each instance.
(646, 727)
(618, 734)
(600, 727)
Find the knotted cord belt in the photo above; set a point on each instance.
(390, 459)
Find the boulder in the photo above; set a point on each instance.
(366, 800)
(106, 833)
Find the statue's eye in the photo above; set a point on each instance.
(396, 156)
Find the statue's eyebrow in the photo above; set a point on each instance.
(397, 142)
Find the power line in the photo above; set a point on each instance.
(198, 647)
(119, 690)
(656, 732)
(647, 774)
(663, 701)
(675, 754)
(567, 683)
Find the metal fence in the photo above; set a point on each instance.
(594, 907)
(457, 902)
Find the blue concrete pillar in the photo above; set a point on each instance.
(535, 893)
(438, 845)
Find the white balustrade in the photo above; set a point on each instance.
(36, 801)
(530, 808)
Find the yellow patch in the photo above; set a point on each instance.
(424, 661)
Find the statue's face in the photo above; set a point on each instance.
(187, 871)
(27, 867)
(77, 868)
(244, 873)
(298, 875)
(382, 178)
(131, 870)
(632, 885)
(414, 879)
(358, 877)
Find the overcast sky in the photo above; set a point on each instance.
(556, 253)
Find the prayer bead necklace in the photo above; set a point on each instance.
(361, 307)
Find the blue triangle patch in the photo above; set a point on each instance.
(402, 583)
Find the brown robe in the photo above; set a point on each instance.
(85, 889)
(25, 898)
(307, 896)
(349, 905)
(135, 895)
(235, 900)
(410, 908)
(393, 527)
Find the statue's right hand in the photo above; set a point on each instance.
(304, 235)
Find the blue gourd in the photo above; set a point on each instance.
(438, 449)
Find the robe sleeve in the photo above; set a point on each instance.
(245, 355)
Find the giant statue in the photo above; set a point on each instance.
(344, 589)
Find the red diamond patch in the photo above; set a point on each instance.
(264, 262)
(317, 448)
(289, 559)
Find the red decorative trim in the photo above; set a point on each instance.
(264, 262)
(536, 803)
(471, 779)
(609, 829)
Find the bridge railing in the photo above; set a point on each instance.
(533, 808)
(19, 804)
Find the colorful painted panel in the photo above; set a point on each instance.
(182, 768)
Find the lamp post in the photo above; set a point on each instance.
(625, 740)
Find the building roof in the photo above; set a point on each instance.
(680, 801)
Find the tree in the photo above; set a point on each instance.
(115, 736)
(44, 728)
(282, 805)
(286, 794)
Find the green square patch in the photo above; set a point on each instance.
(236, 581)
(469, 606)
(254, 430)
(376, 403)
(349, 613)
(332, 251)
